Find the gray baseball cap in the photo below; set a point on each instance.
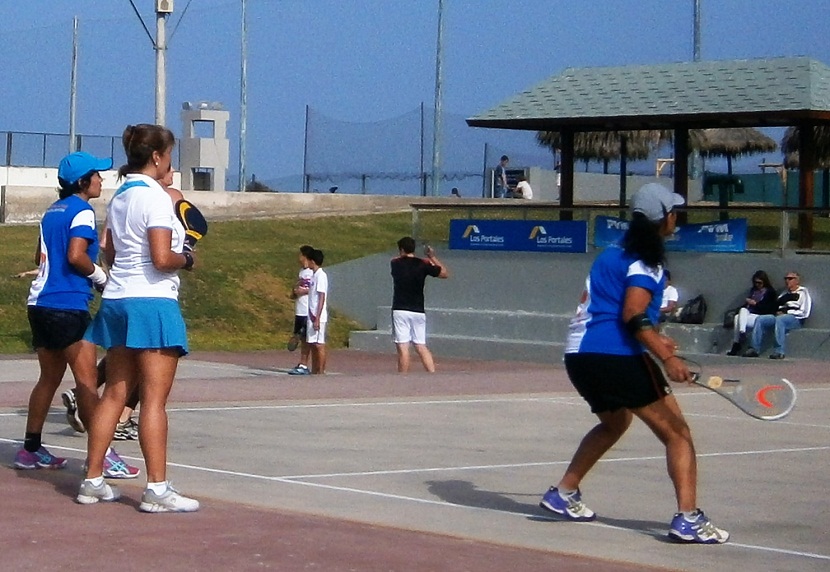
(655, 201)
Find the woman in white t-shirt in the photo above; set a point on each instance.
(140, 322)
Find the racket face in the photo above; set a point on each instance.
(761, 397)
(192, 219)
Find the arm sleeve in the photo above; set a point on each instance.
(158, 213)
(768, 304)
(432, 269)
(83, 225)
(322, 284)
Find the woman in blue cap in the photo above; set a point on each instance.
(58, 307)
(608, 357)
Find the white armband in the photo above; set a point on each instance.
(98, 275)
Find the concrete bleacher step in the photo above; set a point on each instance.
(714, 338)
(465, 346)
(537, 336)
(495, 324)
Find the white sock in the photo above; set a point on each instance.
(690, 516)
(565, 493)
(158, 488)
(96, 482)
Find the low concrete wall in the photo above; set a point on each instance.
(26, 204)
(552, 282)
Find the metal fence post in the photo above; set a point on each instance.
(416, 222)
(784, 235)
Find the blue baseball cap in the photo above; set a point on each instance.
(76, 165)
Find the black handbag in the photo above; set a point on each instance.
(729, 318)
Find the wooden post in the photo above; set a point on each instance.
(681, 169)
(806, 166)
(623, 169)
(566, 172)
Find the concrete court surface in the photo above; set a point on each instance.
(363, 469)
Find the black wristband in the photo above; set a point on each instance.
(188, 261)
(638, 323)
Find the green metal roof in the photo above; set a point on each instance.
(778, 91)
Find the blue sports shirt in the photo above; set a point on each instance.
(597, 326)
(58, 285)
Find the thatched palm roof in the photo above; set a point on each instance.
(790, 146)
(730, 142)
(604, 145)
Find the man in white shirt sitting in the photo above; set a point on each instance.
(670, 298)
(523, 190)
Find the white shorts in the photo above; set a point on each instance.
(409, 327)
(313, 336)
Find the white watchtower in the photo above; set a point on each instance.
(204, 146)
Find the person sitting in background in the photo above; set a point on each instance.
(761, 300)
(794, 306)
(670, 297)
(523, 190)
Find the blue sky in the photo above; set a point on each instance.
(355, 60)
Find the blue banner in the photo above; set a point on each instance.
(519, 235)
(718, 236)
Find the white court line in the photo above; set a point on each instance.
(661, 534)
(546, 463)
(566, 400)
(294, 481)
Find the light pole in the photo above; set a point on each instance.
(162, 10)
(436, 130)
(73, 89)
(243, 101)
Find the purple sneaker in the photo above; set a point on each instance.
(117, 468)
(700, 530)
(571, 507)
(40, 459)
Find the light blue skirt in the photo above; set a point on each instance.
(139, 323)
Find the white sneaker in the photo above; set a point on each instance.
(169, 501)
(90, 494)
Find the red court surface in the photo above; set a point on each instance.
(364, 469)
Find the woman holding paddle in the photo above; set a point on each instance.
(608, 357)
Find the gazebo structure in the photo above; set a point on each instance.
(778, 92)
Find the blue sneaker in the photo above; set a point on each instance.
(700, 530)
(300, 369)
(570, 507)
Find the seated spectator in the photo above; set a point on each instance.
(523, 190)
(794, 306)
(670, 298)
(760, 301)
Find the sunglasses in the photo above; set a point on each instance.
(758, 283)
(790, 277)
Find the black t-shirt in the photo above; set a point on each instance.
(408, 275)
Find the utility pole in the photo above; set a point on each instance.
(243, 101)
(73, 87)
(696, 54)
(162, 10)
(694, 172)
(436, 131)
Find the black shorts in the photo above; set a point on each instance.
(610, 382)
(300, 326)
(57, 329)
